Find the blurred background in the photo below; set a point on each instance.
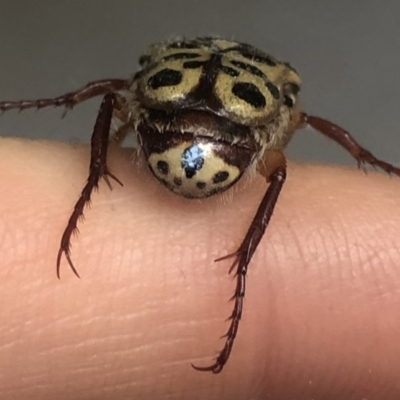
(347, 53)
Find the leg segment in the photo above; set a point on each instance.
(69, 100)
(242, 259)
(120, 134)
(98, 169)
(342, 137)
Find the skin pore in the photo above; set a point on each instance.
(321, 312)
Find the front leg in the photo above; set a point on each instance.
(274, 169)
(69, 100)
(98, 169)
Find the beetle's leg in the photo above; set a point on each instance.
(120, 134)
(122, 114)
(98, 169)
(342, 137)
(71, 99)
(273, 168)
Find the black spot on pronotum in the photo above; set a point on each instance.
(183, 45)
(249, 93)
(220, 176)
(265, 60)
(193, 64)
(180, 56)
(163, 167)
(192, 160)
(201, 185)
(273, 90)
(230, 71)
(178, 181)
(165, 77)
(249, 68)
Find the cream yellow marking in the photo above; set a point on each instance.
(212, 165)
(175, 93)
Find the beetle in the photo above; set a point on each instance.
(205, 111)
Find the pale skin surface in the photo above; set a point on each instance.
(322, 309)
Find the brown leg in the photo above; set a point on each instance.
(276, 176)
(341, 136)
(69, 100)
(98, 169)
